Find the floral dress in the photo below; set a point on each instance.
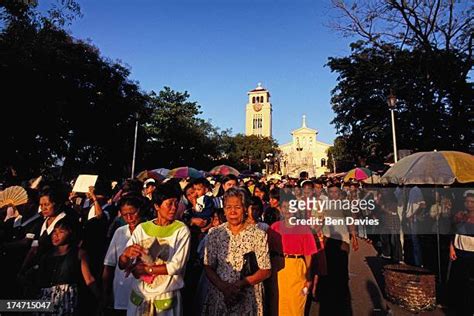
(224, 252)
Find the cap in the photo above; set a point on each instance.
(147, 181)
(468, 192)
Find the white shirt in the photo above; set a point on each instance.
(121, 285)
(48, 229)
(167, 245)
(464, 242)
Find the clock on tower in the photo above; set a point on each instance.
(258, 116)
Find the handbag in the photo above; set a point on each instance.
(250, 265)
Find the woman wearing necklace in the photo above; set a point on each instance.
(235, 288)
(156, 255)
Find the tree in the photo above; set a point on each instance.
(175, 136)
(429, 109)
(423, 51)
(248, 152)
(341, 155)
(430, 25)
(68, 105)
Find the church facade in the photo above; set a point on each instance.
(258, 113)
(304, 153)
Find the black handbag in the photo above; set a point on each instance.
(250, 265)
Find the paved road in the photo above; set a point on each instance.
(367, 298)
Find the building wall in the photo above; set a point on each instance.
(304, 153)
(258, 114)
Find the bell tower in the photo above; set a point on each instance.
(258, 113)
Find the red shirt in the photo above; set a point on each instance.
(293, 240)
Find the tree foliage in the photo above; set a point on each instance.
(422, 50)
(433, 111)
(248, 152)
(74, 110)
(68, 104)
(175, 136)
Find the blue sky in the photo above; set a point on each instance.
(219, 50)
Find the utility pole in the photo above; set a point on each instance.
(134, 146)
(333, 163)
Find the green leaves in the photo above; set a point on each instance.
(430, 90)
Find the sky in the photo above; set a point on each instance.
(218, 50)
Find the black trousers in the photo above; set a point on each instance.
(333, 288)
(392, 246)
(461, 285)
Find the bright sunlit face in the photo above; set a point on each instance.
(234, 210)
(200, 189)
(48, 208)
(150, 189)
(191, 195)
(274, 202)
(130, 214)
(229, 184)
(167, 209)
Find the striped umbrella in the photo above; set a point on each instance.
(224, 170)
(434, 167)
(184, 172)
(162, 171)
(358, 174)
(146, 174)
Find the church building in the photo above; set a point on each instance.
(304, 153)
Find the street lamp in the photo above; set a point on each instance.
(392, 103)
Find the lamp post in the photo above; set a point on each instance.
(134, 146)
(392, 102)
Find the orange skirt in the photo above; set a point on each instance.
(291, 281)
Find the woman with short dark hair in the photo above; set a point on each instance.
(236, 288)
(63, 268)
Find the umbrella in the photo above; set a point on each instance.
(374, 179)
(358, 174)
(435, 167)
(162, 171)
(224, 170)
(146, 174)
(184, 172)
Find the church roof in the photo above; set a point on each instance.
(304, 128)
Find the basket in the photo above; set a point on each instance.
(410, 287)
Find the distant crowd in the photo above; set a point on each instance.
(220, 245)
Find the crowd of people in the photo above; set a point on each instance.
(214, 246)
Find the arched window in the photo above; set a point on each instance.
(323, 162)
(261, 99)
(253, 100)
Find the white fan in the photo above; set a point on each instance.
(14, 195)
